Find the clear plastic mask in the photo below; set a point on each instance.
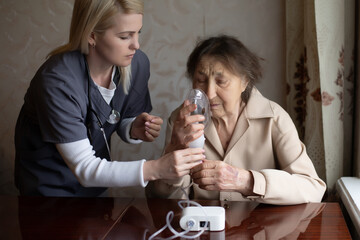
(199, 98)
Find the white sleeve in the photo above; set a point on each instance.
(92, 171)
(125, 126)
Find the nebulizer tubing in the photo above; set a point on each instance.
(170, 216)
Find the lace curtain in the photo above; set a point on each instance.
(320, 57)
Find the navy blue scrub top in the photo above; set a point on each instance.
(56, 110)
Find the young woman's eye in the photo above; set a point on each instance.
(125, 38)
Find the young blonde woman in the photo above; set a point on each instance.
(89, 88)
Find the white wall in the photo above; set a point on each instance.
(30, 29)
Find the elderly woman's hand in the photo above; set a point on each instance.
(220, 176)
(146, 127)
(186, 128)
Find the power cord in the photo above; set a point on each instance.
(190, 223)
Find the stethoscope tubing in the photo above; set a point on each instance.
(100, 124)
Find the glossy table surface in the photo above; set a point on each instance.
(125, 218)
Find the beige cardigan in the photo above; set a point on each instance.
(266, 142)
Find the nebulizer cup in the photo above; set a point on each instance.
(198, 97)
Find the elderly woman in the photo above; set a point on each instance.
(252, 148)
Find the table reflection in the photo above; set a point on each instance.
(68, 218)
(121, 218)
(244, 220)
(269, 222)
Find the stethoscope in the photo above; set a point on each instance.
(113, 118)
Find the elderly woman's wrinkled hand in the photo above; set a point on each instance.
(186, 128)
(219, 176)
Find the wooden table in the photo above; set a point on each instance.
(122, 218)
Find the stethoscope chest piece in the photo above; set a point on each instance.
(114, 117)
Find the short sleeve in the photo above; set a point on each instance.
(59, 101)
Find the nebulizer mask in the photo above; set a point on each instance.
(198, 97)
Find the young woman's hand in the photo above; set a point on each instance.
(146, 127)
(173, 165)
(186, 128)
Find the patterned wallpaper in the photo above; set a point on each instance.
(30, 29)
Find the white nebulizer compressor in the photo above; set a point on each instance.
(196, 218)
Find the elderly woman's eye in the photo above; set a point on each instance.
(221, 82)
(198, 80)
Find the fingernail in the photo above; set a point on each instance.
(146, 128)
(203, 150)
(147, 123)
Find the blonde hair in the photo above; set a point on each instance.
(95, 16)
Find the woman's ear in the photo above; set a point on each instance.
(245, 83)
(92, 39)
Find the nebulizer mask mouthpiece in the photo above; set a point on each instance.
(198, 97)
